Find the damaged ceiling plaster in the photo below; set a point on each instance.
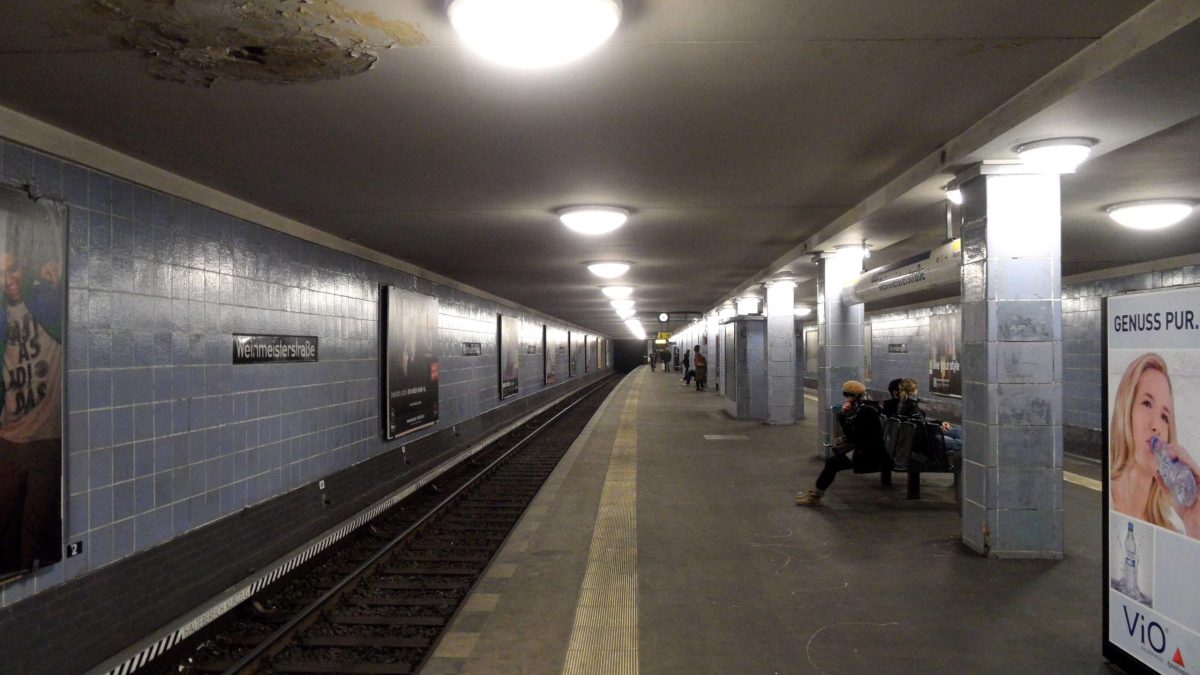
(197, 42)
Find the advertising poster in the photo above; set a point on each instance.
(1152, 529)
(510, 355)
(945, 340)
(572, 352)
(32, 319)
(555, 354)
(410, 370)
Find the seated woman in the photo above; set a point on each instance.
(863, 437)
(909, 402)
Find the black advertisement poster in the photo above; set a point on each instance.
(572, 351)
(410, 370)
(944, 340)
(510, 355)
(32, 321)
(555, 353)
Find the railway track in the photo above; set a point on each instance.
(379, 602)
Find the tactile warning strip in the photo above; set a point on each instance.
(604, 636)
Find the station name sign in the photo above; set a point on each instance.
(274, 349)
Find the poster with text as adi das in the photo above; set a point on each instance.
(32, 322)
(410, 370)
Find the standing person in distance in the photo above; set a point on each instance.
(862, 437)
(687, 368)
(701, 365)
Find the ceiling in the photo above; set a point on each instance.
(741, 135)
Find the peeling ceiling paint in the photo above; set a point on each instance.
(197, 42)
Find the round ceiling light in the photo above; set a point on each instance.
(608, 269)
(1151, 214)
(593, 219)
(533, 34)
(617, 292)
(1056, 155)
(663, 317)
(621, 304)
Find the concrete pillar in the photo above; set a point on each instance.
(801, 356)
(839, 334)
(1012, 363)
(714, 353)
(781, 351)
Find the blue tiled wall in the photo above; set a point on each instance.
(1082, 358)
(163, 433)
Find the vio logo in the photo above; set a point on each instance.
(1149, 633)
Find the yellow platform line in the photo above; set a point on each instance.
(604, 635)
(1084, 481)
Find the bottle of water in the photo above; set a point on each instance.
(1129, 578)
(1178, 478)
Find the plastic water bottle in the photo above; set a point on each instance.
(1178, 478)
(1130, 577)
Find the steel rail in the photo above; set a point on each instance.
(280, 639)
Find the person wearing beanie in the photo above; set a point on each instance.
(862, 437)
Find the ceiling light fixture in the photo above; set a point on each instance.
(617, 292)
(747, 305)
(533, 34)
(954, 195)
(626, 313)
(621, 304)
(593, 220)
(608, 269)
(803, 311)
(1151, 214)
(1056, 155)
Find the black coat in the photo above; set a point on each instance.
(864, 431)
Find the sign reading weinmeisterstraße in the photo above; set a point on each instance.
(274, 349)
(410, 371)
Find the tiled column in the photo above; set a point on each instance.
(711, 355)
(839, 334)
(1012, 365)
(798, 398)
(781, 351)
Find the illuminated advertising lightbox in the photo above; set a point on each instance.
(510, 355)
(1152, 448)
(32, 320)
(555, 353)
(945, 339)
(410, 370)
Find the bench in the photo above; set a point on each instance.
(917, 445)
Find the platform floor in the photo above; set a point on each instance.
(702, 564)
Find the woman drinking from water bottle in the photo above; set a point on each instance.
(1143, 443)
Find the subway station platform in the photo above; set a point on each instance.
(667, 541)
